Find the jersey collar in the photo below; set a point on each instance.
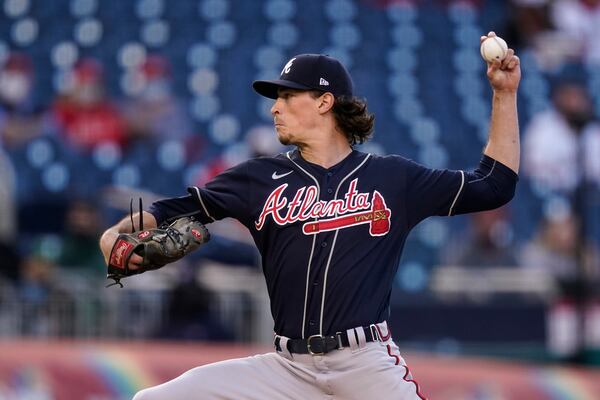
(348, 160)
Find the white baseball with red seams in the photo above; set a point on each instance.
(493, 48)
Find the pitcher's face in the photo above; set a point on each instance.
(295, 112)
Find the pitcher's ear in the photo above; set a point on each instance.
(326, 101)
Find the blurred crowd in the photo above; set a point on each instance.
(50, 255)
(559, 31)
(560, 166)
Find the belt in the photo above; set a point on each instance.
(318, 345)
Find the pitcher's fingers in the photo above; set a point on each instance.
(495, 65)
(513, 63)
(509, 55)
(135, 261)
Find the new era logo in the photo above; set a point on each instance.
(323, 82)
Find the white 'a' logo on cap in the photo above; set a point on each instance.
(288, 66)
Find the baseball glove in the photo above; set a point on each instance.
(157, 247)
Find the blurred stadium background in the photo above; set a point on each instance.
(104, 101)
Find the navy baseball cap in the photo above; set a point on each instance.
(309, 72)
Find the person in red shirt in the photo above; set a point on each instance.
(85, 115)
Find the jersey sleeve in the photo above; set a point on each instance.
(490, 186)
(224, 196)
(450, 192)
(431, 191)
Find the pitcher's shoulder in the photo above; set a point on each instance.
(389, 159)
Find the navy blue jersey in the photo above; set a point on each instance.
(331, 239)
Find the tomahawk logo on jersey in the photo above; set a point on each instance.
(331, 239)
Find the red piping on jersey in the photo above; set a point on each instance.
(389, 349)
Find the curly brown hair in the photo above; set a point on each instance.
(352, 117)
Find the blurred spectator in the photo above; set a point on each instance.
(528, 19)
(574, 265)
(20, 118)
(44, 306)
(559, 32)
(579, 22)
(84, 114)
(555, 245)
(34, 292)
(487, 242)
(558, 141)
(76, 262)
(79, 257)
(154, 112)
(9, 259)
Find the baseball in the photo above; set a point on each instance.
(493, 48)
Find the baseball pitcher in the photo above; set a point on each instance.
(330, 223)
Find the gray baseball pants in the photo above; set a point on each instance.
(362, 371)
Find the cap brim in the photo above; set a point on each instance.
(269, 88)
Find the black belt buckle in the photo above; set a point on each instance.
(311, 346)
